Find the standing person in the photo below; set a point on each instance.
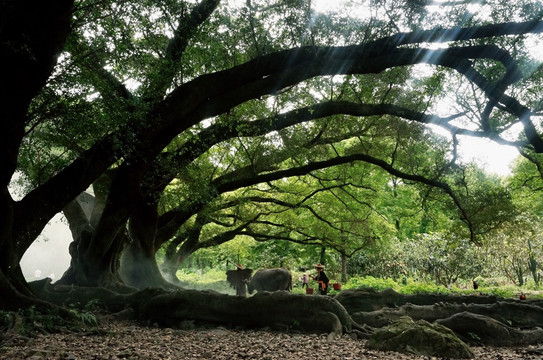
(321, 279)
(304, 281)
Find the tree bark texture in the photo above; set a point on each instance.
(87, 268)
(32, 34)
(139, 268)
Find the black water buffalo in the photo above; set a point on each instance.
(239, 279)
(270, 280)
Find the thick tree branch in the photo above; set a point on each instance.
(460, 34)
(219, 132)
(303, 170)
(213, 94)
(187, 26)
(267, 237)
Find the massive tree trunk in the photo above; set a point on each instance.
(12, 284)
(189, 244)
(31, 37)
(173, 260)
(100, 257)
(130, 257)
(79, 213)
(169, 268)
(138, 261)
(140, 269)
(87, 268)
(13, 287)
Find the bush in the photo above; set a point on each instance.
(371, 282)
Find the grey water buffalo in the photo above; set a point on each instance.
(270, 280)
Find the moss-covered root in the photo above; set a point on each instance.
(419, 338)
(315, 314)
(483, 330)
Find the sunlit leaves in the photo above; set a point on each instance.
(125, 66)
(487, 203)
(527, 185)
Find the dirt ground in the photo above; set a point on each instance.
(127, 340)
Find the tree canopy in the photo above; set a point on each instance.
(196, 122)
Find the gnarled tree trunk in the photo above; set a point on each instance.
(140, 269)
(89, 267)
(31, 38)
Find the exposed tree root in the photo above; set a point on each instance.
(515, 314)
(317, 314)
(483, 330)
(485, 321)
(496, 323)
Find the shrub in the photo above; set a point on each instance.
(377, 284)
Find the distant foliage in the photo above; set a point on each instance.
(440, 258)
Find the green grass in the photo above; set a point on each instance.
(212, 279)
(209, 279)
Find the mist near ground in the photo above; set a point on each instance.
(48, 256)
(222, 287)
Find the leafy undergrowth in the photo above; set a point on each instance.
(410, 286)
(128, 340)
(30, 322)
